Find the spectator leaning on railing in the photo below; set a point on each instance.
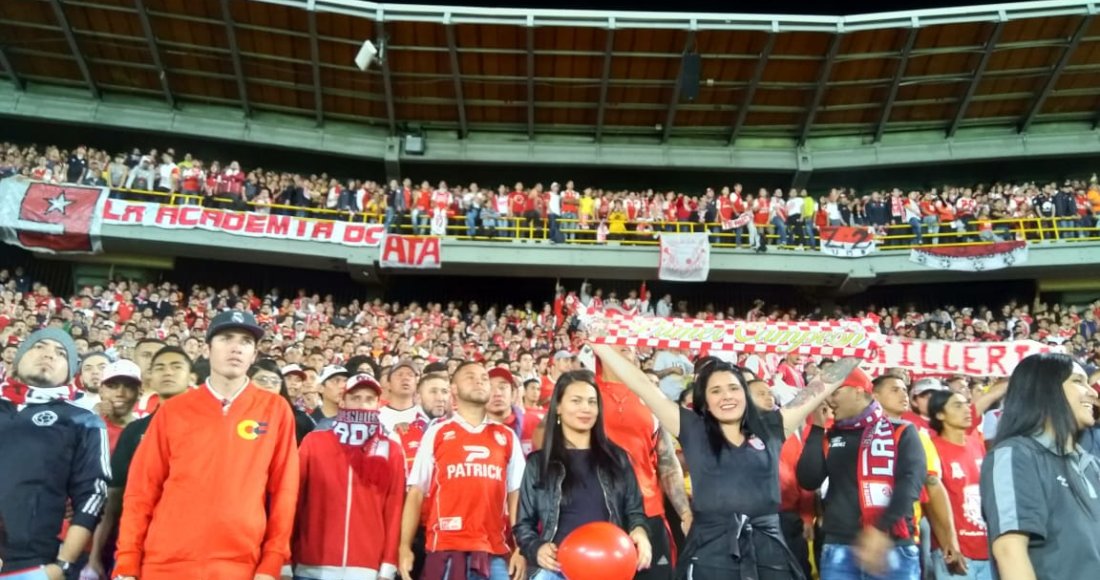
(1030, 211)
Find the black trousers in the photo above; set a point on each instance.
(419, 552)
(791, 525)
(661, 568)
(675, 526)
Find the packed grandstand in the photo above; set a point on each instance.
(171, 408)
(318, 349)
(564, 211)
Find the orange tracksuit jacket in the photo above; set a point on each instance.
(212, 491)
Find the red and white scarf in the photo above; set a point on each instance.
(875, 470)
(365, 442)
(20, 394)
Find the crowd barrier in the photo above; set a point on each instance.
(895, 237)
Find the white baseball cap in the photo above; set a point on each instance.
(121, 369)
(928, 385)
(332, 371)
(293, 369)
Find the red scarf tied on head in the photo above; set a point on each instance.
(878, 448)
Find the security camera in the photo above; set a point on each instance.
(367, 54)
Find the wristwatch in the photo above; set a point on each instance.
(65, 566)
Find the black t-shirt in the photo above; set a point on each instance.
(125, 449)
(76, 169)
(742, 480)
(586, 502)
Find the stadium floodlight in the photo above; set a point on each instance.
(368, 54)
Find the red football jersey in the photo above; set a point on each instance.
(532, 417)
(962, 471)
(410, 442)
(468, 471)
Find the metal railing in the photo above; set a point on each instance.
(893, 237)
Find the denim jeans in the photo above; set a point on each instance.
(498, 570)
(780, 231)
(570, 224)
(932, 226)
(1066, 228)
(975, 569)
(392, 216)
(32, 574)
(738, 235)
(471, 221)
(915, 225)
(808, 227)
(419, 222)
(555, 229)
(547, 575)
(839, 562)
(489, 223)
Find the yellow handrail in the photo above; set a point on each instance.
(895, 237)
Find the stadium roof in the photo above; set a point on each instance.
(596, 74)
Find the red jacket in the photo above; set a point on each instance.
(348, 523)
(793, 498)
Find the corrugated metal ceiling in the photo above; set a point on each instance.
(583, 80)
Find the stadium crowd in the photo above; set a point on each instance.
(561, 212)
(202, 393)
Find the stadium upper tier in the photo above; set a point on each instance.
(196, 209)
(778, 92)
(734, 215)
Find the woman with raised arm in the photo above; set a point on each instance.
(732, 451)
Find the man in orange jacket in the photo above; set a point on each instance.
(213, 487)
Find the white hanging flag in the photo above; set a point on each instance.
(684, 257)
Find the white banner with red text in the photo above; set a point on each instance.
(847, 242)
(684, 258)
(237, 223)
(828, 339)
(418, 252)
(943, 358)
(833, 338)
(737, 222)
(981, 258)
(51, 218)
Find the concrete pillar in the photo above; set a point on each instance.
(392, 158)
(804, 162)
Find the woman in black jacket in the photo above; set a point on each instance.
(578, 477)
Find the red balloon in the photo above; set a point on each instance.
(598, 551)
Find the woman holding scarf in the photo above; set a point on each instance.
(732, 451)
